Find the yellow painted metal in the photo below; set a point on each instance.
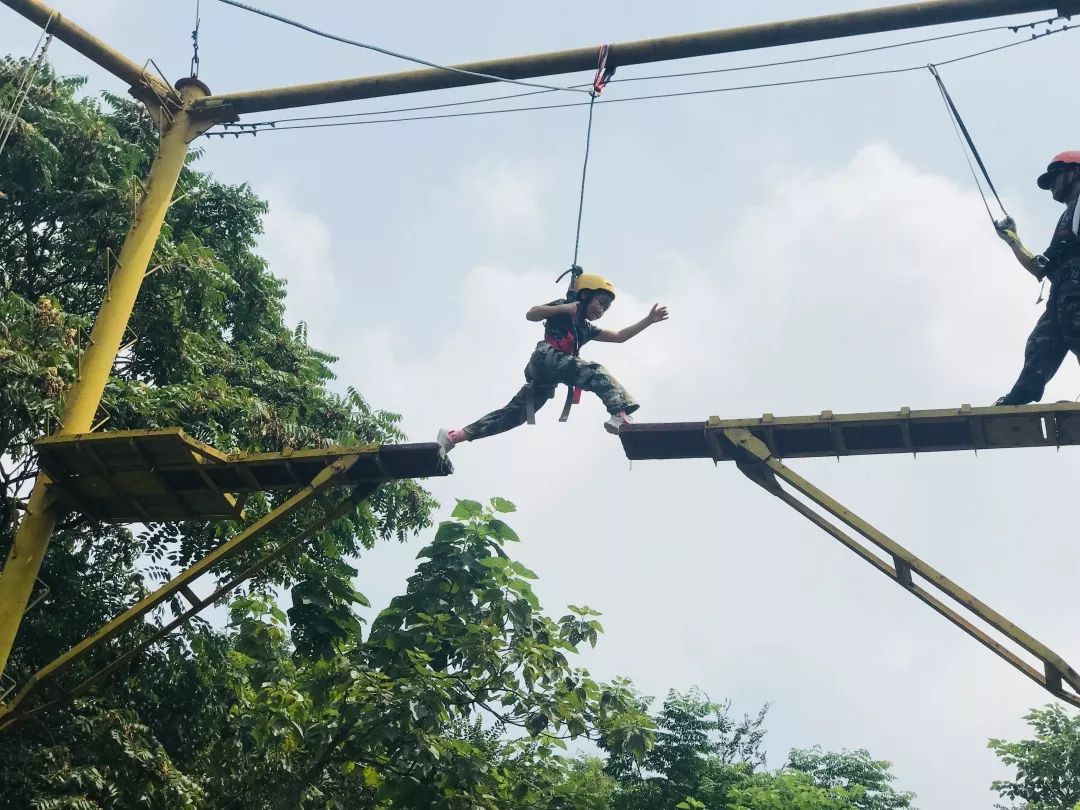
(757, 462)
(144, 85)
(879, 432)
(704, 43)
(82, 401)
(131, 476)
(331, 476)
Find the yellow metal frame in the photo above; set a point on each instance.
(26, 703)
(83, 399)
(756, 461)
(184, 114)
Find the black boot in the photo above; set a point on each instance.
(1012, 398)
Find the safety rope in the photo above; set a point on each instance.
(964, 135)
(604, 72)
(605, 69)
(26, 82)
(195, 42)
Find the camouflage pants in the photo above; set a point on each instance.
(1055, 334)
(547, 368)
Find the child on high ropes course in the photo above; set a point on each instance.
(567, 327)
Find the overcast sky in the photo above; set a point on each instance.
(819, 246)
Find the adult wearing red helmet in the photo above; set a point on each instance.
(1058, 329)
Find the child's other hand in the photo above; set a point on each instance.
(657, 314)
(570, 309)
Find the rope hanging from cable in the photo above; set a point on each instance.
(965, 136)
(605, 69)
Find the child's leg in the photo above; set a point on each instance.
(512, 414)
(594, 377)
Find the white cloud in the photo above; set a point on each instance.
(296, 243)
(864, 287)
(507, 195)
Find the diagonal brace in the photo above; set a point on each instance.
(333, 475)
(757, 463)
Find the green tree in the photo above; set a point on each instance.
(212, 354)
(851, 769)
(585, 786)
(788, 790)
(1047, 765)
(384, 715)
(700, 752)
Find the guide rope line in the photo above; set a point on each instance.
(734, 69)
(388, 52)
(237, 130)
(964, 135)
(26, 82)
(605, 69)
(604, 72)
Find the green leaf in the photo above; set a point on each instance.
(467, 510)
(448, 530)
(502, 531)
(536, 723)
(502, 505)
(521, 570)
(497, 563)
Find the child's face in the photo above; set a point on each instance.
(598, 305)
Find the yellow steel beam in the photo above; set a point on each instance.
(144, 86)
(326, 479)
(848, 434)
(757, 462)
(643, 51)
(24, 706)
(84, 397)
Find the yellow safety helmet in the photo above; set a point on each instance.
(594, 282)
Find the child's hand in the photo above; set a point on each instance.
(570, 309)
(657, 314)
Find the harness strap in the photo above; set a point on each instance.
(530, 409)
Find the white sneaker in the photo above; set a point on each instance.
(444, 440)
(615, 423)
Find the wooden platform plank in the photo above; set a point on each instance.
(900, 431)
(165, 475)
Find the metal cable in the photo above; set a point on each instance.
(33, 65)
(238, 130)
(738, 68)
(856, 52)
(24, 81)
(388, 52)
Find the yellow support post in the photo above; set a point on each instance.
(178, 129)
(757, 463)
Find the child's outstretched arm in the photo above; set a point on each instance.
(656, 314)
(545, 311)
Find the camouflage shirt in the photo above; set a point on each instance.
(568, 334)
(1065, 244)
